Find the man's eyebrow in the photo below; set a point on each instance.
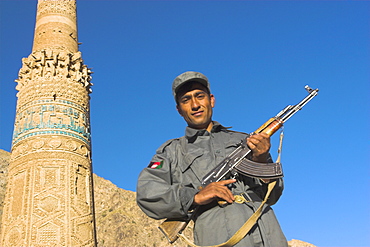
(188, 96)
(200, 92)
(185, 96)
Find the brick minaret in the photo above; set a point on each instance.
(49, 197)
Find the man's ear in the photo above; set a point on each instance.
(213, 100)
(178, 110)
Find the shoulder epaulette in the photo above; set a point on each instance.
(167, 143)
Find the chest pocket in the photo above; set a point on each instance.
(191, 167)
(230, 147)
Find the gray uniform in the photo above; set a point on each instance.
(166, 189)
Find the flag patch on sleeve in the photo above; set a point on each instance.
(155, 165)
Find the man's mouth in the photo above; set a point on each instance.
(198, 113)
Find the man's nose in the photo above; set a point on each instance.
(195, 104)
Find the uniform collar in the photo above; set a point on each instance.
(191, 134)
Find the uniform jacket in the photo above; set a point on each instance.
(166, 189)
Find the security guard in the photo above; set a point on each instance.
(168, 187)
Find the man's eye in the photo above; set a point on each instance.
(201, 96)
(184, 100)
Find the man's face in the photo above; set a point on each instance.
(195, 104)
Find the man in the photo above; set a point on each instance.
(168, 187)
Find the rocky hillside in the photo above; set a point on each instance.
(119, 220)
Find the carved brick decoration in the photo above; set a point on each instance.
(49, 199)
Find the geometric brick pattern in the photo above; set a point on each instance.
(49, 199)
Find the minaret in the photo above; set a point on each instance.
(49, 197)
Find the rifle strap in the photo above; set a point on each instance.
(243, 231)
(278, 160)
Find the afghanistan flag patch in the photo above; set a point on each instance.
(155, 165)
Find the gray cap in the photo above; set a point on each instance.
(186, 77)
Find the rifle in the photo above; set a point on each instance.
(236, 162)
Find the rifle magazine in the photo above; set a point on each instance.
(260, 170)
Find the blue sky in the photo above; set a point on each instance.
(258, 56)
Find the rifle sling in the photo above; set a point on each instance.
(243, 231)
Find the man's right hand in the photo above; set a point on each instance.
(215, 191)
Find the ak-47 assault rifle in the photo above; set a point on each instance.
(236, 162)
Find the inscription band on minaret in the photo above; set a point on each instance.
(49, 198)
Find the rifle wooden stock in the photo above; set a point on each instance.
(171, 228)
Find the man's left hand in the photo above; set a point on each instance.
(260, 146)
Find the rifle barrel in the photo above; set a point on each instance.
(293, 110)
